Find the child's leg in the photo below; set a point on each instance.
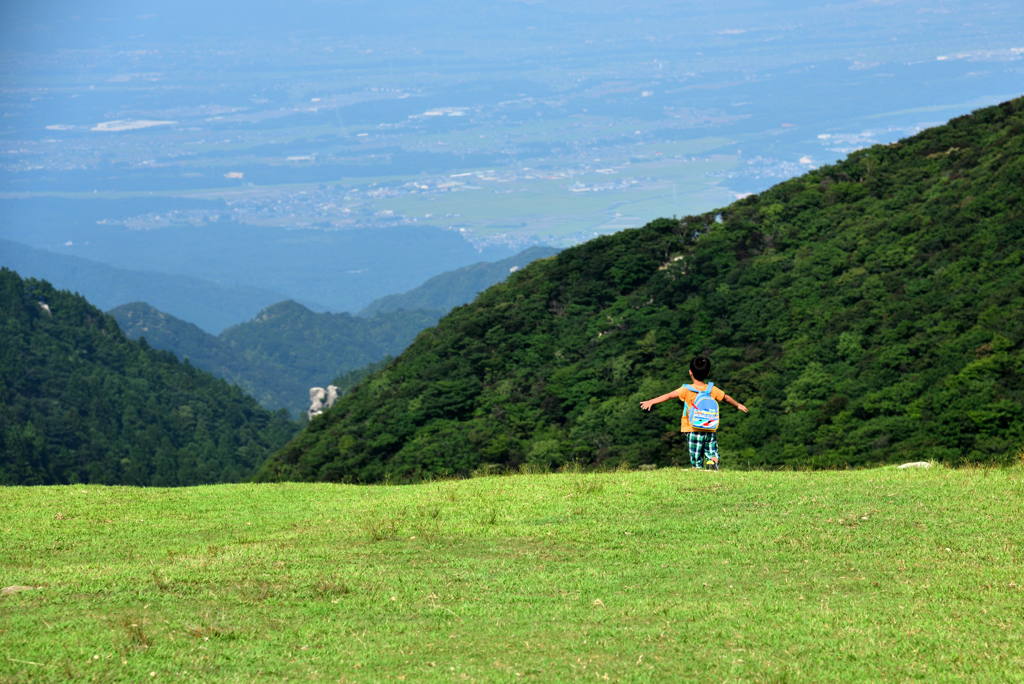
(695, 445)
(711, 447)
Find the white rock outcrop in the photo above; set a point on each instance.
(320, 400)
(916, 464)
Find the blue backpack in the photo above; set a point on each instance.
(704, 413)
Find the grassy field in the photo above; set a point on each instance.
(667, 576)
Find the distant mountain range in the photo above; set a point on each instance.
(461, 286)
(286, 348)
(282, 352)
(322, 268)
(210, 306)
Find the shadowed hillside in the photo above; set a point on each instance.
(83, 403)
(866, 312)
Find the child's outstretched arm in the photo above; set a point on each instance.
(646, 405)
(733, 402)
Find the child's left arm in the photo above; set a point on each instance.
(733, 402)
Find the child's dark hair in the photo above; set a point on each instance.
(700, 366)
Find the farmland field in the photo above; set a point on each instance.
(669, 575)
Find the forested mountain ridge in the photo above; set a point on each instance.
(83, 403)
(867, 312)
(186, 340)
(308, 348)
(286, 348)
(282, 352)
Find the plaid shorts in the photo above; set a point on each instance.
(703, 445)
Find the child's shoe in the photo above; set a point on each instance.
(710, 464)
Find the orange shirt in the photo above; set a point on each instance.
(687, 397)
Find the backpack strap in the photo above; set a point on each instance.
(697, 391)
(686, 407)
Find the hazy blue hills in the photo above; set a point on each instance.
(209, 305)
(80, 402)
(866, 312)
(455, 288)
(324, 268)
(282, 352)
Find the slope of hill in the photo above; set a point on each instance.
(454, 288)
(866, 312)
(211, 306)
(205, 351)
(347, 381)
(283, 351)
(164, 331)
(83, 403)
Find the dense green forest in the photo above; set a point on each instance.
(347, 381)
(448, 290)
(83, 403)
(284, 350)
(867, 312)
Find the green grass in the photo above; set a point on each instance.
(671, 575)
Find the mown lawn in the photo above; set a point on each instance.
(668, 576)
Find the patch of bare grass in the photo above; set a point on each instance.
(136, 637)
(331, 588)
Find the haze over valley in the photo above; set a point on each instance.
(334, 153)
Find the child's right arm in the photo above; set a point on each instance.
(646, 405)
(733, 402)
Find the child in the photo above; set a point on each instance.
(702, 443)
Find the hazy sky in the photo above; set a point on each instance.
(54, 24)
